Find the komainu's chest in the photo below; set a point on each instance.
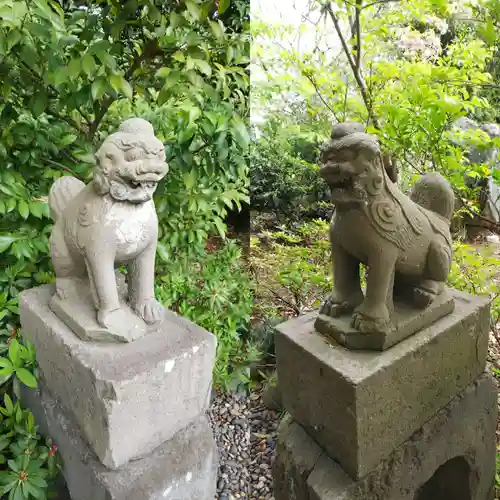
(134, 229)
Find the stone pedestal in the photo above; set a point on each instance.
(379, 425)
(129, 419)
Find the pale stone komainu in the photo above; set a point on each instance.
(110, 222)
(128, 412)
(404, 240)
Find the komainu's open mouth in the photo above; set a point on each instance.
(343, 183)
(140, 184)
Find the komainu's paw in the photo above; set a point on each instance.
(335, 306)
(150, 310)
(426, 292)
(371, 320)
(113, 320)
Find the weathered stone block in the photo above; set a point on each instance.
(361, 405)
(452, 457)
(183, 468)
(127, 398)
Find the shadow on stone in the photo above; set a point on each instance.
(451, 481)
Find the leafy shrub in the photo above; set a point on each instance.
(28, 462)
(19, 363)
(476, 271)
(214, 291)
(284, 176)
(292, 270)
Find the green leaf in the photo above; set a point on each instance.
(35, 490)
(6, 241)
(162, 252)
(26, 377)
(74, 68)
(203, 66)
(101, 49)
(190, 179)
(217, 29)
(38, 481)
(126, 89)
(23, 209)
(67, 140)
(119, 83)
(4, 442)
(15, 353)
(9, 406)
(11, 204)
(240, 133)
(88, 64)
(223, 6)
(98, 88)
(36, 208)
(194, 10)
(221, 227)
(40, 102)
(18, 493)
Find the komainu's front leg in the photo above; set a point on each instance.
(373, 315)
(141, 286)
(100, 267)
(347, 294)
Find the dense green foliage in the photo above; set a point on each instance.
(284, 174)
(31, 462)
(70, 72)
(407, 69)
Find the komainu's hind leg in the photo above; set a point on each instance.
(438, 267)
(65, 268)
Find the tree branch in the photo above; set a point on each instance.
(318, 93)
(378, 2)
(62, 167)
(359, 6)
(352, 63)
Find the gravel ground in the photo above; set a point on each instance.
(245, 431)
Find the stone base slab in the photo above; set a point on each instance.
(361, 405)
(406, 321)
(452, 457)
(78, 312)
(183, 468)
(127, 398)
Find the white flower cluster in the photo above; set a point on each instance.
(426, 45)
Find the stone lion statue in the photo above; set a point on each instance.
(404, 240)
(110, 222)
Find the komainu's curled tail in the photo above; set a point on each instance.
(61, 193)
(433, 192)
